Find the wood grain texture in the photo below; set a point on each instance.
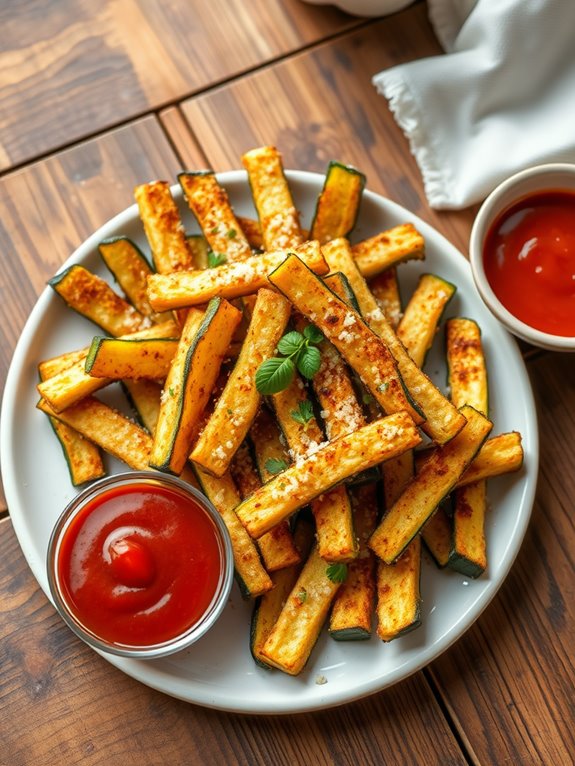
(182, 139)
(62, 703)
(509, 682)
(72, 68)
(48, 209)
(320, 105)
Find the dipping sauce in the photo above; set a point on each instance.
(140, 564)
(529, 261)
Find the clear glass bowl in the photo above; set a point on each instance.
(81, 626)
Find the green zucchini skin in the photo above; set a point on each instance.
(464, 565)
(165, 464)
(132, 245)
(350, 634)
(468, 381)
(99, 470)
(353, 176)
(112, 313)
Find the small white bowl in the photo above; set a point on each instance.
(550, 177)
(367, 8)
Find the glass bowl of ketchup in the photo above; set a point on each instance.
(140, 564)
(522, 253)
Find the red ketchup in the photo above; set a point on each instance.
(529, 260)
(140, 565)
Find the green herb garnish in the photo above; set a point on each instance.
(304, 413)
(215, 259)
(337, 572)
(298, 352)
(275, 465)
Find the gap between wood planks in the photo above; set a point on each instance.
(451, 720)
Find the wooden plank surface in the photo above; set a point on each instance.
(62, 703)
(506, 686)
(509, 681)
(49, 208)
(320, 105)
(72, 68)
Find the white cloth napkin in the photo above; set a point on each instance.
(502, 97)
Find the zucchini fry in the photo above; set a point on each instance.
(92, 297)
(269, 606)
(277, 546)
(339, 408)
(433, 482)
(108, 428)
(422, 315)
(163, 227)
(265, 436)
(47, 368)
(200, 251)
(145, 398)
(436, 534)
(298, 626)
(351, 614)
(385, 290)
(277, 214)
(442, 419)
(398, 584)
(130, 268)
(252, 578)
(118, 359)
(499, 455)
(236, 408)
(398, 593)
(253, 232)
(363, 350)
(332, 510)
(211, 206)
(336, 461)
(205, 339)
(338, 203)
(232, 280)
(373, 256)
(70, 385)
(387, 249)
(467, 378)
(83, 458)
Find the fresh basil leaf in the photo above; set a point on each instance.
(337, 572)
(275, 465)
(308, 361)
(290, 343)
(312, 334)
(274, 375)
(304, 412)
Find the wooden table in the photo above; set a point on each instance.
(97, 97)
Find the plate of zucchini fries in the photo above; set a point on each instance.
(315, 359)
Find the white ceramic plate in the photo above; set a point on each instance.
(218, 670)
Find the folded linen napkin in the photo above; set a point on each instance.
(501, 99)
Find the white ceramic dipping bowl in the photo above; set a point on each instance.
(550, 177)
